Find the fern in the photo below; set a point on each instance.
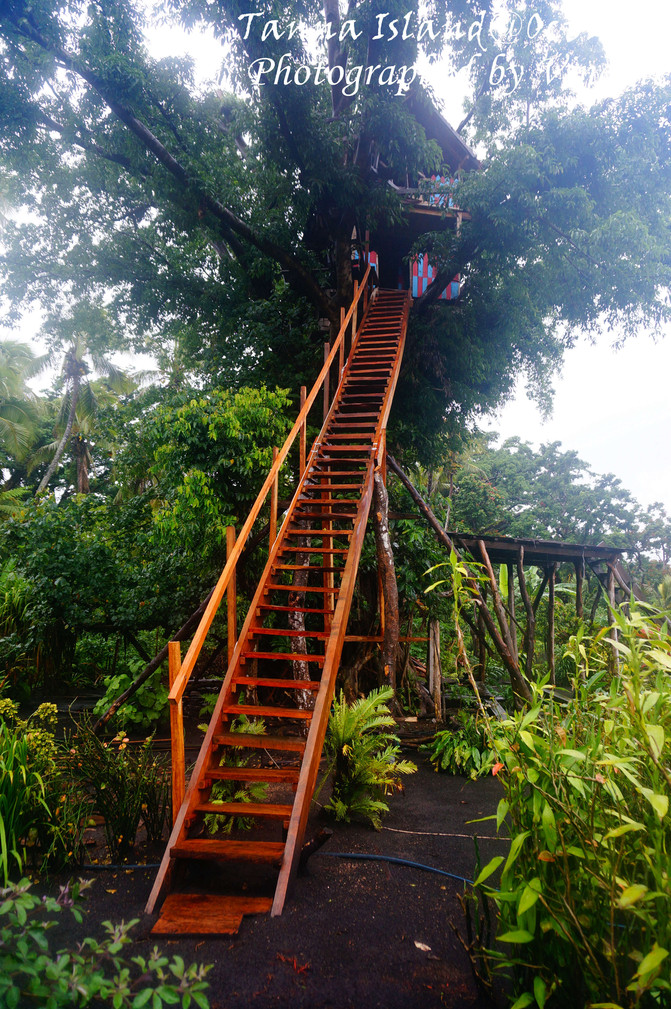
(362, 755)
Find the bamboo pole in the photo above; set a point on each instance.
(511, 609)
(176, 731)
(231, 591)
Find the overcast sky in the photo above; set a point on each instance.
(612, 407)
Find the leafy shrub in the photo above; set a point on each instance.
(585, 896)
(31, 974)
(42, 816)
(463, 750)
(126, 786)
(147, 706)
(363, 756)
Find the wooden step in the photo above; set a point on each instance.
(229, 851)
(206, 914)
(259, 740)
(285, 656)
(299, 590)
(312, 550)
(288, 775)
(290, 609)
(278, 684)
(284, 632)
(262, 810)
(265, 711)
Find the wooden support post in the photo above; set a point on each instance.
(273, 501)
(511, 610)
(387, 586)
(481, 641)
(355, 317)
(231, 593)
(327, 351)
(579, 576)
(433, 669)
(530, 626)
(176, 731)
(615, 660)
(552, 577)
(302, 450)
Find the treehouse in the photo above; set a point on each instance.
(430, 201)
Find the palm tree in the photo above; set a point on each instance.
(79, 407)
(18, 410)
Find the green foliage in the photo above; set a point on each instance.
(126, 784)
(96, 972)
(234, 791)
(363, 756)
(465, 749)
(148, 704)
(584, 894)
(42, 815)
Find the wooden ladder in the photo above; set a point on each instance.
(283, 669)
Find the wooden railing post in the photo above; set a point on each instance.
(303, 437)
(232, 619)
(327, 351)
(341, 357)
(355, 316)
(273, 501)
(176, 731)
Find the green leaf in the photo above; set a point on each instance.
(523, 1001)
(519, 935)
(141, 998)
(501, 813)
(540, 991)
(517, 843)
(530, 895)
(660, 803)
(655, 735)
(652, 961)
(490, 868)
(631, 895)
(624, 828)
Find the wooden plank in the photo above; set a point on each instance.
(278, 684)
(286, 656)
(229, 851)
(276, 774)
(266, 711)
(253, 740)
(264, 810)
(206, 914)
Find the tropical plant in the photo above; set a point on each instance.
(584, 894)
(464, 748)
(363, 754)
(126, 784)
(231, 790)
(42, 816)
(95, 972)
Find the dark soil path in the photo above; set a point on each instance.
(349, 935)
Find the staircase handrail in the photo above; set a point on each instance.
(182, 678)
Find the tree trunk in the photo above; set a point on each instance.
(74, 396)
(385, 562)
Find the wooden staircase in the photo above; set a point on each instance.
(283, 670)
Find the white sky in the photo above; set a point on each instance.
(612, 407)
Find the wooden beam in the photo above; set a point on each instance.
(231, 599)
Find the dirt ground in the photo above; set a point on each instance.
(354, 933)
